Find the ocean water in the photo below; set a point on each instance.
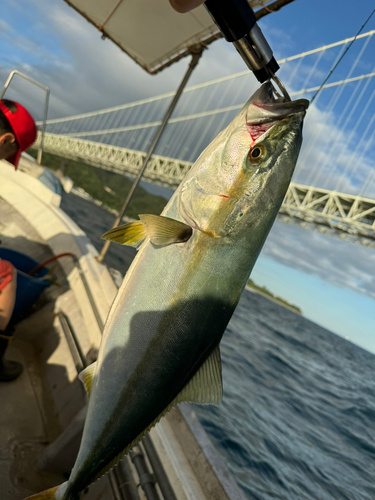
(297, 421)
(298, 416)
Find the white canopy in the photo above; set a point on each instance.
(150, 31)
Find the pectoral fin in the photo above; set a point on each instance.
(87, 376)
(132, 234)
(165, 231)
(161, 231)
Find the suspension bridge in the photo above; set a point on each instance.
(333, 188)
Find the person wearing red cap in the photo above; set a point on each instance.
(17, 133)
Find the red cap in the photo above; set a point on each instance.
(23, 127)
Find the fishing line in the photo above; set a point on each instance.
(338, 62)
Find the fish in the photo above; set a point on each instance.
(160, 344)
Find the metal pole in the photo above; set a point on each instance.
(113, 481)
(127, 483)
(34, 82)
(194, 61)
(146, 479)
(159, 472)
(40, 151)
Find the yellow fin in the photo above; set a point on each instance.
(165, 231)
(205, 387)
(44, 495)
(87, 376)
(132, 234)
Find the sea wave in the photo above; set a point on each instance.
(298, 413)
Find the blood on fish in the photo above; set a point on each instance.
(259, 129)
(258, 104)
(223, 196)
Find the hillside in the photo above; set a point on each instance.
(264, 291)
(109, 188)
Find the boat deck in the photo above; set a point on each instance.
(31, 416)
(25, 428)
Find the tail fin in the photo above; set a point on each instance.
(44, 495)
(50, 494)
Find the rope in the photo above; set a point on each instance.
(338, 62)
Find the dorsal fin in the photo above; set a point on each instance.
(87, 376)
(205, 387)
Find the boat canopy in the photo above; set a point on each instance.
(151, 32)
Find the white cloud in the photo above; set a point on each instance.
(4, 26)
(84, 72)
(341, 263)
(334, 157)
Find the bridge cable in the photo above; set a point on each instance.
(338, 62)
(371, 176)
(333, 130)
(351, 165)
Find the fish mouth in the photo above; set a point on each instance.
(267, 109)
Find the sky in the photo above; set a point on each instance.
(330, 279)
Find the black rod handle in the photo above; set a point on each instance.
(235, 18)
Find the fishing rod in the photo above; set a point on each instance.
(238, 24)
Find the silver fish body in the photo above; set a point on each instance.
(176, 300)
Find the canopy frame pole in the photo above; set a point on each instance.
(196, 54)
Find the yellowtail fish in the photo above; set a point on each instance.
(161, 340)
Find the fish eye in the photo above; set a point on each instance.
(256, 154)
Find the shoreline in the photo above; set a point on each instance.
(273, 299)
(81, 193)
